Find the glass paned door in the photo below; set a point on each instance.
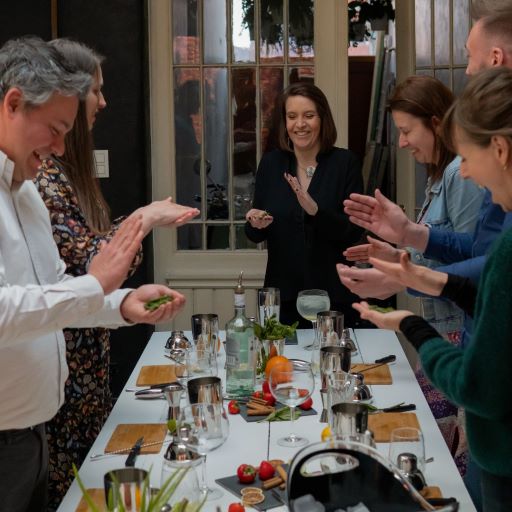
(230, 61)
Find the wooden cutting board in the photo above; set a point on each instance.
(125, 435)
(431, 492)
(380, 375)
(381, 424)
(157, 374)
(98, 498)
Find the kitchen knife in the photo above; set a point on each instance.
(388, 359)
(394, 408)
(130, 460)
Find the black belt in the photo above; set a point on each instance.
(15, 433)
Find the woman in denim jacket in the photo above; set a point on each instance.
(451, 203)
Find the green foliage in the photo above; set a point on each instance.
(274, 330)
(381, 309)
(300, 15)
(151, 305)
(283, 414)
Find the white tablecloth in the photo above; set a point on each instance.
(249, 442)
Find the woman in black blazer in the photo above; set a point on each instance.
(298, 203)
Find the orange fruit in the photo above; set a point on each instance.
(280, 362)
(272, 352)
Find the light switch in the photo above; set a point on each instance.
(101, 161)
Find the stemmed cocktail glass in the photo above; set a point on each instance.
(207, 429)
(291, 385)
(309, 304)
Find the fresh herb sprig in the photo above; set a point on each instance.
(274, 330)
(283, 414)
(151, 305)
(380, 309)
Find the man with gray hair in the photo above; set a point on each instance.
(38, 104)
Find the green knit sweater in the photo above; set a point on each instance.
(479, 378)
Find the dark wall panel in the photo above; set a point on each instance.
(116, 29)
(25, 17)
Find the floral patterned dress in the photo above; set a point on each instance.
(88, 399)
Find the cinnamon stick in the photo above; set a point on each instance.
(282, 472)
(272, 482)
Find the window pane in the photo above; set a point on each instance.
(242, 242)
(243, 31)
(422, 29)
(442, 32)
(459, 80)
(187, 136)
(426, 72)
(244, 138)
(215, 24)
(303, 74)
(217, 236)
(185, 32)
(271, 31)
(189, 237)
(444, 76)
(271, 85)
(460, 30)
(216, 142)
(300, 39)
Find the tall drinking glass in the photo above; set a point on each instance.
(208, 429)
(269, 301)
(407, 441)
(291, 387)
(309, 304)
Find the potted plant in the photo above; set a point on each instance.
(271, 339)
(377, 12)
(148, 502)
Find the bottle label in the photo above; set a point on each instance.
(232, 352)
(239, 300)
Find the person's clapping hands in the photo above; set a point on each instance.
(378, 215)
(165, 213)
(134, 309)
(305, 200)
(419, 278)
(258, 219)
(389, 321)
(367, 282)
(112, 263)
(376, 249)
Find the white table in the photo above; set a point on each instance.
(248, 442)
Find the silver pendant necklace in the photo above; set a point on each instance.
(310, 170)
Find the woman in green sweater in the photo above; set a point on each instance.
(479, 378)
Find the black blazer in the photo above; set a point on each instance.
(303, 249)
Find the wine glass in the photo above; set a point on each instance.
(407, 441)
(207, 428)
(291, 386)
(309, 304)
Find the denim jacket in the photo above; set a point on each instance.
(451, 204)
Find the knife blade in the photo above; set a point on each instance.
(130, 460)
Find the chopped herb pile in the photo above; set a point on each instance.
(151, 305)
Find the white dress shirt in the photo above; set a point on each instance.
(37, 300)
